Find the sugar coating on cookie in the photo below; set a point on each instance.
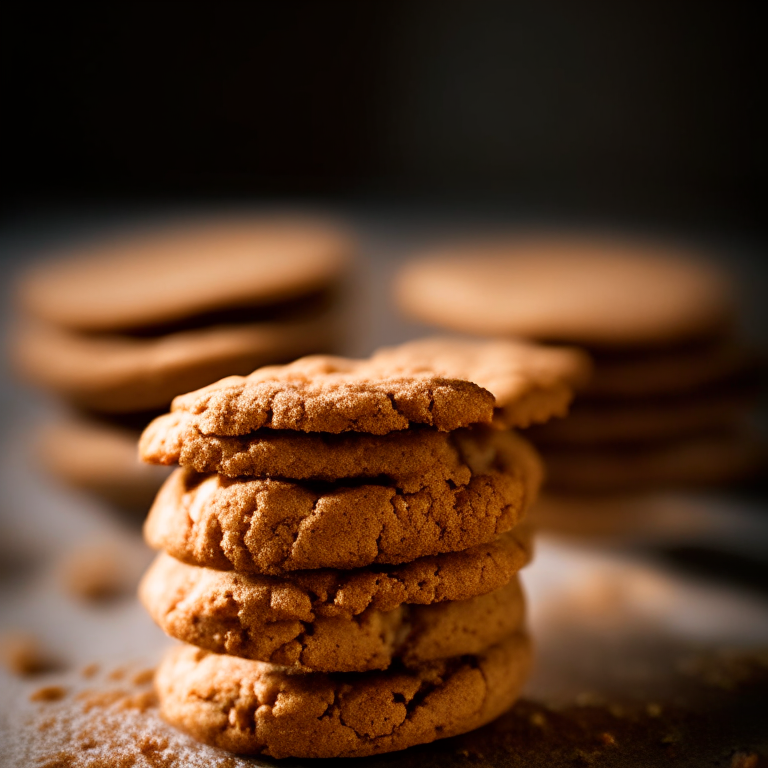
(594, 291)
(531, 383)
(322, 393)
(143, 280)
(482, 484)
(251, 617)
(250, 707)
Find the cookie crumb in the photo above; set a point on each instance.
(117, 674)
(744, 760)
(49, 693)
(608, 739)
(145, 677)
(22, 654)
(538, 719)
(91, 670)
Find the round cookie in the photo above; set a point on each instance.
(668, 372)
(600, 292)
(636, 421)
(116, 374)
(175, 439)
(696, 461)
(158, 277)
(305, 595)
(249, 707)
(276, 526)
(101, 459)
(237, 614)
(321, 393)
(531, 383)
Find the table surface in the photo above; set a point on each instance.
(637, 662)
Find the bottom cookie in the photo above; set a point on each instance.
(249, 707)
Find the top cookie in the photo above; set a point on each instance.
(531, 383)
(152, 279)
(334, 394)
(598, 292)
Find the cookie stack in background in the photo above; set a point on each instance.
(341, 547)
(674, 387)
(119, 328)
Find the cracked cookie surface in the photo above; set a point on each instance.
(531, 383)
(250, 707)
(251, 617)
(321, 393)
(482, 486)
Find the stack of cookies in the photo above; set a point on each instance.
(118, 329)
(341, 547)
(673, 386)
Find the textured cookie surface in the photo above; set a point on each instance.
(275, 526)
(115, 374)
(306, 595)
(175, 439)
(101, 459)
(141, 281)
(241, 615)
(334, 394)
(249, 707)
(531, 383)
(598, 292)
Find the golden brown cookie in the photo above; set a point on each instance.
(641, 420)
(249, 707)
(114, 374)
(99, 458)
(158, 277)
(599, 291)
(322, 393)
(696, 461)
(275, 526)
(305, 595)
(667, 372)
(267, 620)
(531, 383)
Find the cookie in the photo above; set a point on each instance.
(642, 420)
(114, 374)
(249, 707)
(696, 461)
(146, 280)
(599, 292)
(174, 438)
(531, 383)
(321, 393)
(669, 372)
(242, 615)
(99, 458)
(275, 526)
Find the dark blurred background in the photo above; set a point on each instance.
(644, 110)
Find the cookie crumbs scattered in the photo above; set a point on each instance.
(607, 739)
(90, 671)
(144, 677)
(116, 674)
(744, 760)
(49, 693)
(22, 654)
